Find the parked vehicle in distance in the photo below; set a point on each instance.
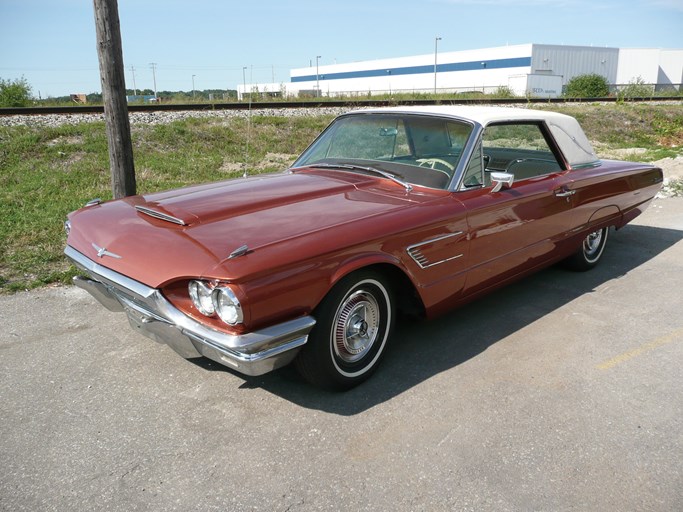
(389, 211)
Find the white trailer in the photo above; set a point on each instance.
(536, 85)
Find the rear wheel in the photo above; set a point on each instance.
(591, 251)
(349, 339)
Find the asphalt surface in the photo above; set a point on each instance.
(561, 392)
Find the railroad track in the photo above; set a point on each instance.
(170, 107)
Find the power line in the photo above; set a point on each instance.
(153, 65)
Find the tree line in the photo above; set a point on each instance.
(18, 93)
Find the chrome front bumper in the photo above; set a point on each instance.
(149, 312)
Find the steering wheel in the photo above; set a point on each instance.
(433, 162)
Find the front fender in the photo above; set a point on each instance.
(365, 260)
(297, 290)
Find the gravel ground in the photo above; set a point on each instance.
(164, 117)
(673, 172)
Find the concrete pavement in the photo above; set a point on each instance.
(561, 392)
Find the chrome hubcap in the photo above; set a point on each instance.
(356, 326)
(592, 243)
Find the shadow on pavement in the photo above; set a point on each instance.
(420, 350)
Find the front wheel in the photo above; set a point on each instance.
(354, 322)
(591, 251)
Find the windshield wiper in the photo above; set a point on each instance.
(354, 167)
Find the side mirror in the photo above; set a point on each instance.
(500, 179)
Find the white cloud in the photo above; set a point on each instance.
(674, 5)
(521, 3)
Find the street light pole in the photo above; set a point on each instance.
(317, 76)
(436, 46)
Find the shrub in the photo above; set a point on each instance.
(636, 89)
(587, 86)
(675, 187)
(504, 92)
(15, 93)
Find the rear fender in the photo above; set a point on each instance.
(604, 217)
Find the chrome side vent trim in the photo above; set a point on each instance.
(159, 215)
(416, 253)
(419, 258)
(425, 263)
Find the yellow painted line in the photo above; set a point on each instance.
(626, 356)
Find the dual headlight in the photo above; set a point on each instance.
(216, 300)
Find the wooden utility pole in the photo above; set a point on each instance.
(110, 54)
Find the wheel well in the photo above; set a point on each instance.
(407, 299)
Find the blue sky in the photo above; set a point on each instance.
(52, 42)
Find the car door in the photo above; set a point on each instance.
(517, 228)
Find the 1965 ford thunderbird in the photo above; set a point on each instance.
(389, 210)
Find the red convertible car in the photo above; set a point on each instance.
(389, 211)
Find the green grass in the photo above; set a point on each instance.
(658, 129)
(47, 172)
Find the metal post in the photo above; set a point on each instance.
(193, 92)
(244, 81)
(436, 46)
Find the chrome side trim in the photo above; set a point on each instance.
(159, 215)
(466, 155)
(423, 262)
(149, 312)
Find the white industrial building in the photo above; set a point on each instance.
(538, 70)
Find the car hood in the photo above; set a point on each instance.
(192, 232)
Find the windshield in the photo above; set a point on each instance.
(421, 150)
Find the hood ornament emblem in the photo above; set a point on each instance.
(240, 251)
(102, 252)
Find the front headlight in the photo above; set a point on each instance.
(202, 297)
(227, 306)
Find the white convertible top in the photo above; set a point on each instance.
(566, 130)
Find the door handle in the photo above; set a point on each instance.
(565, 192)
